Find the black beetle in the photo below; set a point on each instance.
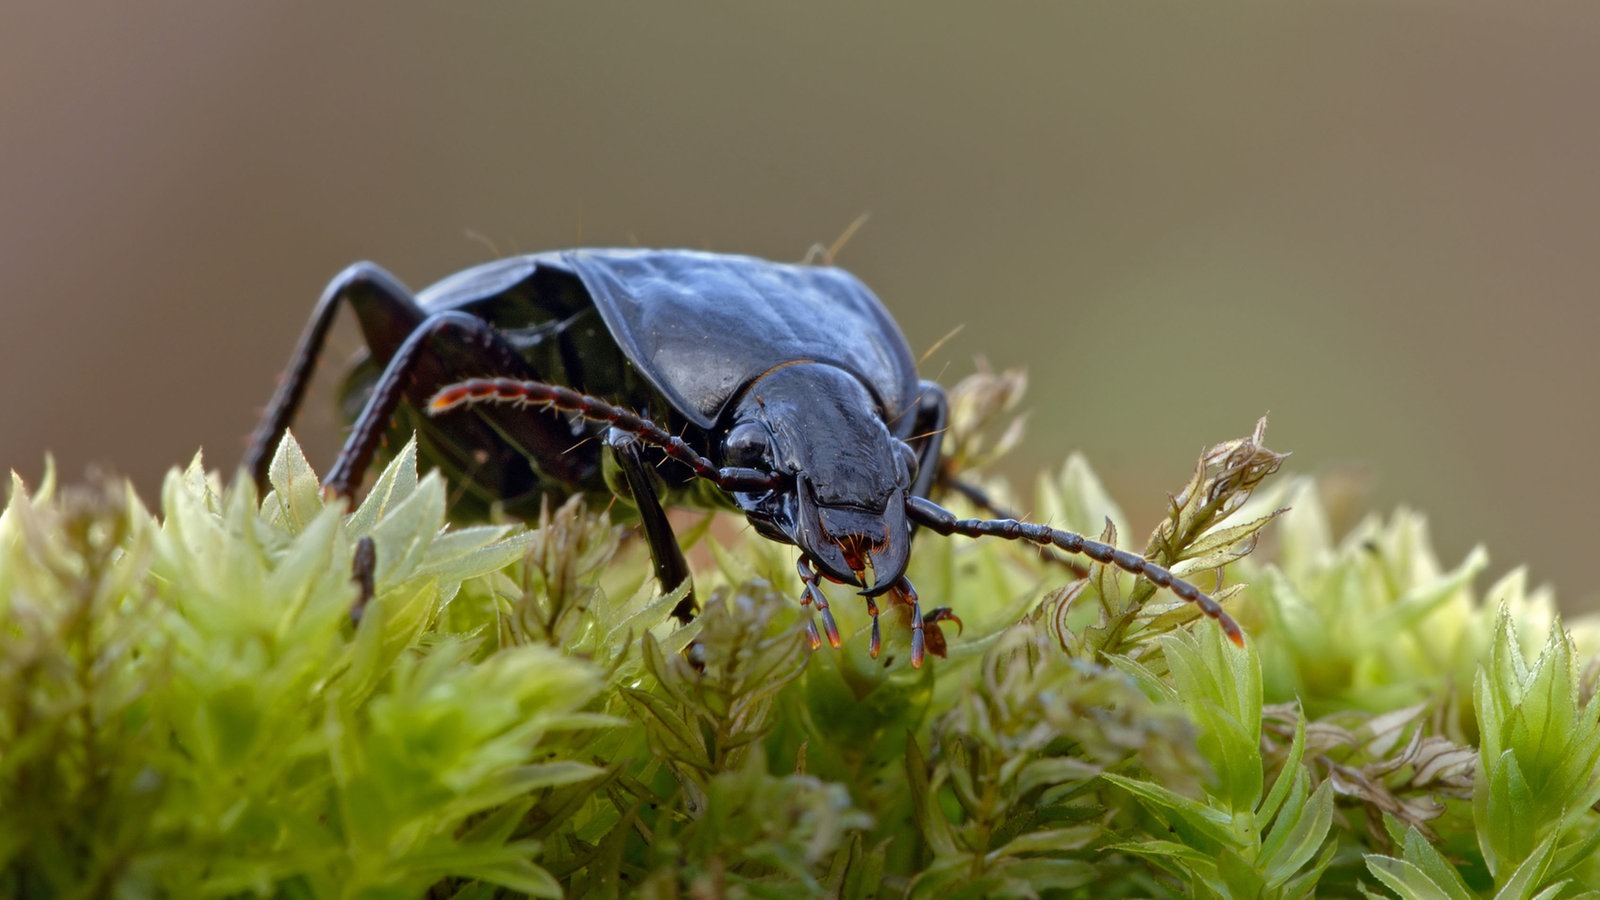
(788, 388)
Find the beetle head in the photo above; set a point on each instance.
(845, 477)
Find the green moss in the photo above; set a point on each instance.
(187, 709)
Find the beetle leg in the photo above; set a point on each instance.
(943, 521)
(387, 311)
(876, 643)
(928, 426)
(813, 596)
(671, 568)
(925, 634)
(935, 636)
(812, 635)
(433, 355)
(363, 568)
(908, 594)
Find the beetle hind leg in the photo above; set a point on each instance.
(388, 312)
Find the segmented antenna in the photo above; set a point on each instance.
(941, 520)
(541, 395)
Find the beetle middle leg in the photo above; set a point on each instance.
(417, 353)
(930, 418)
(387, 311)
(445, 348)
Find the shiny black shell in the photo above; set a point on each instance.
(674, 334)
(700, 326)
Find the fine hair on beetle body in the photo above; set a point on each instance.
(789, 389)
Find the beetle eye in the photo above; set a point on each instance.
(748, 446)
(909, 457)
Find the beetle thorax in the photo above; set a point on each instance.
(845, 475)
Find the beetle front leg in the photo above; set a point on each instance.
(671, 568)
(813, 596)
(875, 642)
(908, 594)
(923, 640)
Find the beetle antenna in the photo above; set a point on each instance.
(943, 521)
(975, 495)
(555, 397)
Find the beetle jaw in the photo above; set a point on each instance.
(844, 542)
(848, 543)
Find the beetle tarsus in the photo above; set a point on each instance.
(811, 633)
(908, 594)
(876, 643)
(813, 596)
(363, 571)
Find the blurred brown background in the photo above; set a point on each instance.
(1375, 220)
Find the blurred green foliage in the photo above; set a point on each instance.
(187, 708)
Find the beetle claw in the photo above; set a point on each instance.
(944, 614)
(935, 635)
(876, 643)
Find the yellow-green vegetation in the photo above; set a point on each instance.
(188, 710)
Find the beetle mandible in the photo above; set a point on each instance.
(788, 389)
